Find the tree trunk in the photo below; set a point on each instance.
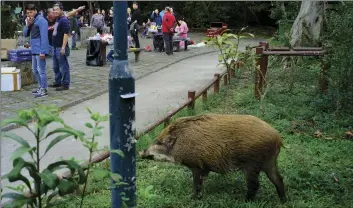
(308, 25)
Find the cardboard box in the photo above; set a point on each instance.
(10, 79)
(6, 45)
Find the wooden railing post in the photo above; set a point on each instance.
(231, 72)
(263, 65)
(225, 79)
(216, 83)
(259, 51)
(191, 96)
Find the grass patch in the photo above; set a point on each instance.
(317, 171)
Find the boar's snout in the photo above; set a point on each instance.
(146, 155)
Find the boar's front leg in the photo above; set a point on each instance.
(198, 175)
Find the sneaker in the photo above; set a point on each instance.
(36, 91)
(54, 85)
(62, 88)
(41, 93)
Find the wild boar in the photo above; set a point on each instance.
(221, 143)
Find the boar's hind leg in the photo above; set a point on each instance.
(273, 174)
(252, 180)
(198, 176)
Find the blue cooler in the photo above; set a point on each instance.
(20, 55)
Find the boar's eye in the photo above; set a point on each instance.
(159, 142)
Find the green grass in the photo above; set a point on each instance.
(318, 172)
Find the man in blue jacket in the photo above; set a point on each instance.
(37, 28)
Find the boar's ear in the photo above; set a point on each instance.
(169, 141)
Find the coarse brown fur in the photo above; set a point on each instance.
(221, 143)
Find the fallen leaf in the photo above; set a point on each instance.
(318, 133)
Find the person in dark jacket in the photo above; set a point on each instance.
(73, 30)
(156, 17)
(61, 49)
(37, 29)
(136, 18)
(168, 25)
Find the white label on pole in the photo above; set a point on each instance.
(130, 95)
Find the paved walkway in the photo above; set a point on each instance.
(88, 82)
(158, 93)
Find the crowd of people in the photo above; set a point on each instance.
(172, 26)
(50, 30)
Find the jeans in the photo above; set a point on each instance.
(136, 39)
(50, 50)
(73, 40)
(40, 71)
(168, 40)
(61, 67)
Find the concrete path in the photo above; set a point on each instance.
(88, 82)
(158, 93)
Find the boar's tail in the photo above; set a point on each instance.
(280, 143)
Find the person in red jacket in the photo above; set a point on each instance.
(168, 25)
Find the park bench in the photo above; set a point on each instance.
(136, 51)
(176, 44)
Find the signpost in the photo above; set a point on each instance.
(122, 114)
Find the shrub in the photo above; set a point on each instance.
(8, 25)
(337, 41)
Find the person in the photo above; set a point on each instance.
(156, 17)
(51, 22)
(176, 16)
(110, 21)
(146, 28)
(97, 21)
(168, 24)
(61, 49)
(73, 31)
(136, 21)
(128, 18)
(129, 33)
(182, 31)
(37, 29)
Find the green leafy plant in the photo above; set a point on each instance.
(228, 44)
(338, 61)
(46, 180)
(92, 145)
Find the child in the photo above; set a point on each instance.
(145, 31)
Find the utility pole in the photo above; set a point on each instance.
(122, 113)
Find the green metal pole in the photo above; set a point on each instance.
(122, 110)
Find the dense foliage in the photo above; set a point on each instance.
(337, 40)
(8, 25)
